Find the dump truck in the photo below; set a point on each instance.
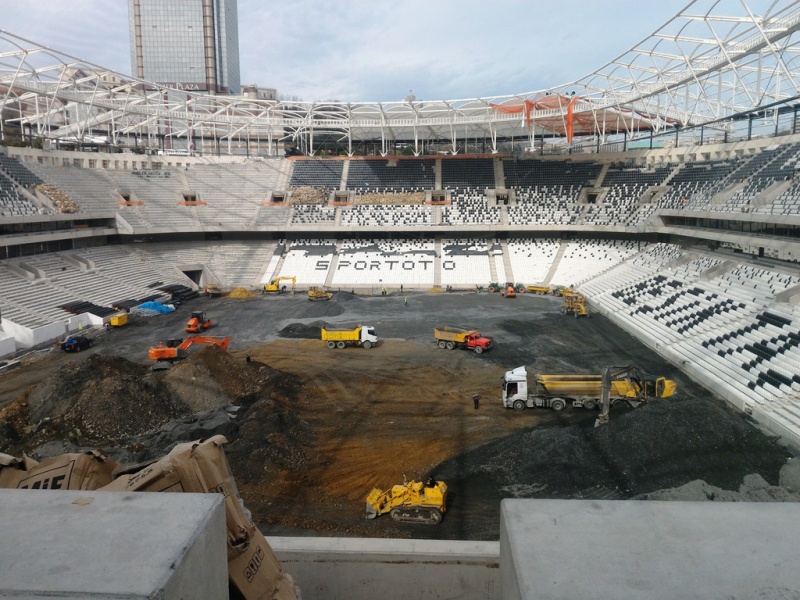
(198, 322)
(178, 349)
(411, 502)
(192, 467)
(556, 391)
(538, 289)
(358, 336)
(455, 337)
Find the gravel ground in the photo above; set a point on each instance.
(312, 430)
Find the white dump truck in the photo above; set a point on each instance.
(521, 391)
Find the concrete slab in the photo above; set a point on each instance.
(77, 544)
(567, 549)
(366, 569)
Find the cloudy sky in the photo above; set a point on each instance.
(378, 50)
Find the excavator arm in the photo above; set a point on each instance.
(611, 374)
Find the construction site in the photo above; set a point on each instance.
(312, 429)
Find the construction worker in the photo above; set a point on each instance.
(405, 300)
(476, 400)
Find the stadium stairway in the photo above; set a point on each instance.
(554, 267)
(507, 263)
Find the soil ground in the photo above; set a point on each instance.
(313, 430)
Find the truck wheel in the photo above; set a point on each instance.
(519, 405)
(478, 350)
(340, 345)
(590, 404)
(450, 345)
(367, 344)
(331, 345)
(558, 404)
(442, 344)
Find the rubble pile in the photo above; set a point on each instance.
(393, 198)
(61, 200)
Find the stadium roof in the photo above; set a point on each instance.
(711, 62)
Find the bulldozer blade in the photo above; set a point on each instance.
(371, 512)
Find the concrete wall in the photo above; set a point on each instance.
(27, 338)
(605, 549)
(390, 569)
(78, 544)
(7, 344)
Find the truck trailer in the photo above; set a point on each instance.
(359, 336)
(455, 337)
(627, 384)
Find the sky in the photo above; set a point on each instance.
(378, 50)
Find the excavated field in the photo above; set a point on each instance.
(312, 430)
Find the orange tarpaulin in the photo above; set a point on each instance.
(542, 103)
(572, 122)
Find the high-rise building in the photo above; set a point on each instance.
(186, 44)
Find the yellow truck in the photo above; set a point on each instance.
(538, 289)
(358, 336)
(626, 384)
(455, 337)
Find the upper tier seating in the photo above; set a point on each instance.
(18, 172)
(317, 173)
(391, 176)
(462, 174)
(532, 173)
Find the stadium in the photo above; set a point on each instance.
(663, 187)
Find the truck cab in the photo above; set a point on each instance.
(368, 335)
(475, 341)
(515, 388)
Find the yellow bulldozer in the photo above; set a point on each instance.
(410, 502)
(315, 293)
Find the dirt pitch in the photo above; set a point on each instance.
(314, 429)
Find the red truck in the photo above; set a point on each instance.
(453, 337)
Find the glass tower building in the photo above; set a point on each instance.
(186, 44)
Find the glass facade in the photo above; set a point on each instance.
(187, 44)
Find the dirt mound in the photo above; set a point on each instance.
(102, 398)
(310, 331)
(214, 377)
(241, 293)
(628, 457)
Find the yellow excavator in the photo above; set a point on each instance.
(410, 502)
(275, 287)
